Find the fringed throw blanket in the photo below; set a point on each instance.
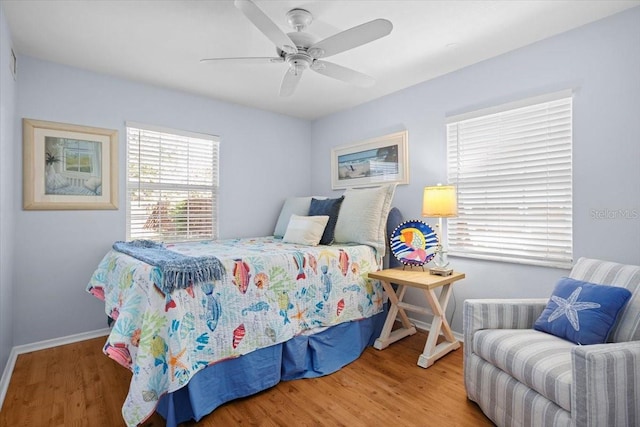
(178, 271)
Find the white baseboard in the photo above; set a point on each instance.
(6, 375)
(41, 345)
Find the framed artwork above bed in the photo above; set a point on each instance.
(69, 166)
(382, 160)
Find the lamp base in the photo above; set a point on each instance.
(440, 271)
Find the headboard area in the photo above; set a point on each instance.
(359, 213)
(394, 219)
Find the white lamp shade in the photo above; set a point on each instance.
(440, 201)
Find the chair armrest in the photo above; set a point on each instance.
(500, 314)
(606, 384)
(481, 314)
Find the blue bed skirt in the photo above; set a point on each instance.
(304, 356)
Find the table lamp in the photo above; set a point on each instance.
(440, 202)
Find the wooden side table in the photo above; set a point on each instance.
(437, 306)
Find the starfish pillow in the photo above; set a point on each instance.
(582, 312)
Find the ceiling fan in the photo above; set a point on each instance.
(301, 50)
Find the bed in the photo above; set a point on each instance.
(281, 310)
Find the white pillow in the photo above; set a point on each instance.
(363, 217)
(92, 183)
(305, 230)
(292, 206)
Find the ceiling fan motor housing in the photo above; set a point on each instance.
(298, 62)
(302, 41)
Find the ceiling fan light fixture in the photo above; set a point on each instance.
(316, 52)
(297, 69)
(298, 63)
(318, 66)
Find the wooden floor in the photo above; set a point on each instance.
(77, 385)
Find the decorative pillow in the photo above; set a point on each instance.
(291, 206)
(329, 207)
(582, 312)
(363, 217)
(305, 230)
(55, 181)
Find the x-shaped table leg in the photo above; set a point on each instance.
(433, 352)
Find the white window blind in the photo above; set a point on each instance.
(172, 184)
(512, 169)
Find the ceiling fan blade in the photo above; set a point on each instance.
(266, 25)
(353, 37)
(290, 82)
(345, 74)
(243, 60)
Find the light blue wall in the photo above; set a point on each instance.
(601, 62)
(8, 148)
(263, 156)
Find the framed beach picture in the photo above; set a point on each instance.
(69, 166)
(381, 160)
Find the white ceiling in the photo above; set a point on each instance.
(161, 42)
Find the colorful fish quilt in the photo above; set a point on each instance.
(271, 292)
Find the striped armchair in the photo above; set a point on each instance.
(522, 377)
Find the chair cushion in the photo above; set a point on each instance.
(540, 361)
(582, 312)
(627, 327)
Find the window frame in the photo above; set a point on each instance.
(91, 154)
(467, 235)
(173, 134)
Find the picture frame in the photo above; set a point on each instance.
(69, 167)
(381, 160)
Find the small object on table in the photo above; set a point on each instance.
(440, 202)
(413, 243)
(437, 306)
(440, 271)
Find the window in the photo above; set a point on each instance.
(512, 168)
(172, 184)
(80, 156)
